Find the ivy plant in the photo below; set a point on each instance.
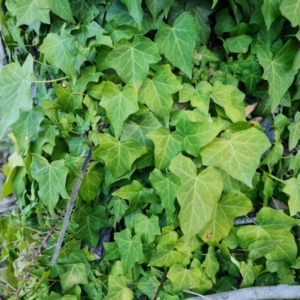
(156, 147)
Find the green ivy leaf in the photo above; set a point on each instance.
(130, 249)
(67, 99)
(270, 10)
(231, 205)
(239, 155)
(261, 248)
(88, 28)
(196, 135)
(231, 99)
(294, 129)
(62, 9)
(156, 92)
(118, 156)
(51, 178)
(87, 75)
(251, 75)
(15, 91)
(27, 126)
(292, 188)
(61, 51)
(91, 183)
(199, 96)
(119, 13)
(166, 186)
(146, 227)
(274, 225)
(131, 61)
(274, 68)
(28, 11)
(185, 279)
(177, 43)
(211, 264)
(166, 146)
(135, 10)
(137, 195)
(238, 44)
(118, 288)
(156, 6)
(90, 220)
(137, 130)
(197, 195)
(75, 274)
(119, 104)
(202, 11)
(291, 10)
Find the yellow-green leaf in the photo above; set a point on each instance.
(239, 155)
(197, 195)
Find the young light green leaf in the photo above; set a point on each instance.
(60, 51)
(294, 129)
(130, 249)
(247, 271)
(166, 146)
(9, 170)
(28, 11)
(135, 10)
(156, 92)
(232, 205)
(91, 182)
(277, 70)
(270, 10)
(199, 96)
(137, 195)
(51, 178)
(90, 220)
(75, 274)
(131, 61)
(62, 9)
(185, 279)
(292, 188)
(118, 156)
(291, 10)
(231, 99)
(15, 92)
(27, 126)
(177, 43)
(196, 135)
(119, 104)
(166, 186)
(146, 227)
(166, 256)
(238, 155)
(118, 288)
(211, 264)
(197, 195)
(261, 248)
(87, 75)
(238, 44)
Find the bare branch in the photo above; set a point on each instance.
(256, 293)
(70, 207)
(38, 250)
